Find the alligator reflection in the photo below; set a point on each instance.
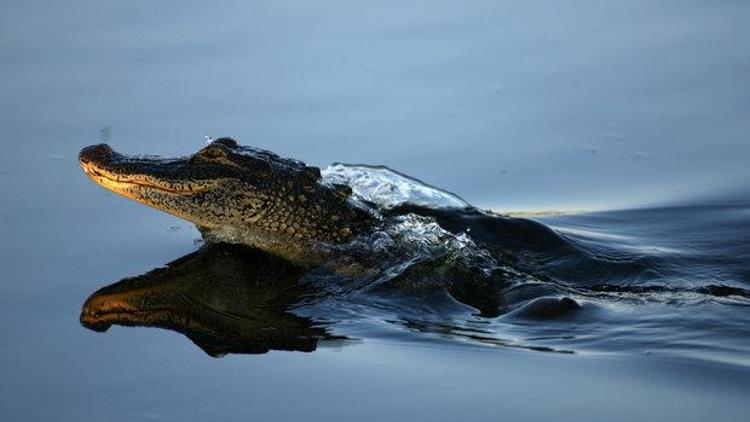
(225, 298)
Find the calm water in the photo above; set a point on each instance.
(639, 313)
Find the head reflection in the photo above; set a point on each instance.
(225, 298)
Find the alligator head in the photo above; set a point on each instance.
(225, 298)
(236, 194)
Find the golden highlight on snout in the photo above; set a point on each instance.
(124, 185)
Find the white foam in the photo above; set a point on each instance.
(388, 189)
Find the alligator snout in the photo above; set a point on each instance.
(96, 154)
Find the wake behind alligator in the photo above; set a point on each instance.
(361, 252)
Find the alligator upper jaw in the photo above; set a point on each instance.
(122, 174)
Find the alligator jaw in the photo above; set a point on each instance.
(124, 175)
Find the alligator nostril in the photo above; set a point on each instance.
(95, 153)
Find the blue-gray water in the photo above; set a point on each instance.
(513, 105)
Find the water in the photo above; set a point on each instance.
(637, 111)
(609, 282)
(654, 323)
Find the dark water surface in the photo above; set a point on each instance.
(638, 314)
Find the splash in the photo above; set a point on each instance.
(388, 189)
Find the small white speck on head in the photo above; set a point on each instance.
(209, 139)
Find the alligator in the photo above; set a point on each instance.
(242, 195)
(275, 228)
(239, 194)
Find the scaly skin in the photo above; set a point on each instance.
(237, 194)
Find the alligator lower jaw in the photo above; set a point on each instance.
(121, 184)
